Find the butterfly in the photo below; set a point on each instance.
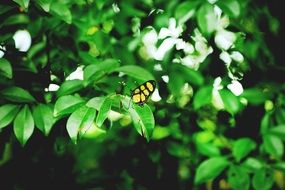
(141, 93)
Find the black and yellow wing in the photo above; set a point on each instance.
(140, 94)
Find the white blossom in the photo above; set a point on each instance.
(52, 88)
(225, 56)
(235, 87)
(150, 38)
(22, 40)
(224, 39)
(237, 56)
(77, 74)
(172, 31)
(216, 97)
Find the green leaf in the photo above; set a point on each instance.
(160, 133)
(5, 8)
(69, 87)
(175, 83)
(252, 163)
(102, 41)
(273, 145)
(203, 97)
(278, 131)
(242, 148)
(67, 104)
(62, 11)
(265, 123)
(192, 76)
(230, 101)
(178, 150)
(97, 70)
(186, 10)
(43, 116)
(207, 19)
(142, 117)
(123, 54)
(80, 120)
(23, 3)
(238, 178)
(210, 168)
(136, 72)
(255, 96)
(7, 114)
(280, 166)
(188, 74)
(103, 111)
(208, 149)
(15, 19)
(230, 7)
(36, 49)
(24, 125)
(44, 4)
(17, 94)
(280, 115)
(5, 68)
(263, 179)
(96, 102)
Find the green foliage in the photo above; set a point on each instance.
(216, 118)
(238, 177)
(5, 68)
(242, 147)
(24, 125)
(7, 114)
(17, 94)
(44, 119)
(103, 111)
(263, 179)
(80, 120)
(211, 168)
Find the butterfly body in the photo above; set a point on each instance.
(141, 94)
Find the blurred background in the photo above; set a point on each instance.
(216, 119)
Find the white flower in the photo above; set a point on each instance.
(224, 39)
(22, 40)
(212, 1)
(157, 67)
(150, 38)
(217, 84)
(77, 74)
(172, 31)
(52, 88)
(116, 8)
(170, 35)
(165, 46)
(188, 48)
(2, 52)
(225, 56)
(237, 56)
(201, 45)
(202, 51)
(235, 87)
(218, 11)
(223, 22)
(216, 97)
(185, 46)
(191, 61)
